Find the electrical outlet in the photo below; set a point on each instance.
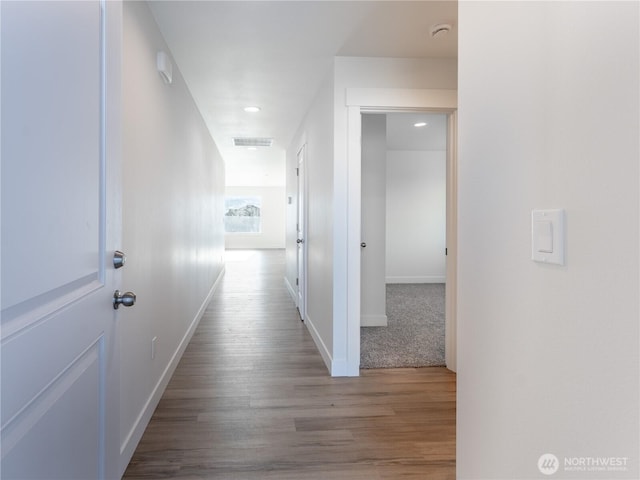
(153, 347)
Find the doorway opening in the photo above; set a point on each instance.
(403, 261)
(383, 100)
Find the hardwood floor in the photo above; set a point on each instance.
(252, 399)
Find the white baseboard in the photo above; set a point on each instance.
(291, 290)
(322, 348)
(418, 279)
(373, 321)
(128, 446)
(342, 369)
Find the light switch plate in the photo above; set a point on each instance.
(547, 236)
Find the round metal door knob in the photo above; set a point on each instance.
(299, 240)
(363, 245)
(127, 299)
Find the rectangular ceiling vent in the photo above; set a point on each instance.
(252, 142)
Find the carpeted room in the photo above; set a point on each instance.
(414, 335)
(404, 225)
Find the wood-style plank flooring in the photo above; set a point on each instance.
(252, 399)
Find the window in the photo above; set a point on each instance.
(242, 214)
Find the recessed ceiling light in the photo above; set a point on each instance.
(252, 109)
(420, 124)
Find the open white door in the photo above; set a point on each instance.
(373, 295)
(60, 225)
(301, 230)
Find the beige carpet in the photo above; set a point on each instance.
(414, 336)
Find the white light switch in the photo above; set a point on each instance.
(544, 233)
(547, 236)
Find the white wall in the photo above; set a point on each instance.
(317, 131)
(373, 297)
(416, 216)
(357, 72)
(273, 218)
(325, 130)
(172, 212)
(548, 355)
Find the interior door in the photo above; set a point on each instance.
(301, 229)
(60, 226)
(373, 296)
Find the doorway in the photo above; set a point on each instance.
(403, 260)
(382, 101)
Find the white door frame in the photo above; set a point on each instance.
(359, 100)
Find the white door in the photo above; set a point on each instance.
(301, 229)
(373, 295)
(60, 226)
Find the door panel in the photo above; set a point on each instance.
(373, 297)
(59, 193)
(46, 62)
(42, 425)
(302, 246)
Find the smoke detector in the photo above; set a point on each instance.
(440, 29)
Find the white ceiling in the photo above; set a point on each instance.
(275, 54)
(403, 135)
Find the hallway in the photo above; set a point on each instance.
(252, 399)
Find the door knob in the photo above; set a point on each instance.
(128, 299)
(300, 240)
(363, 245)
